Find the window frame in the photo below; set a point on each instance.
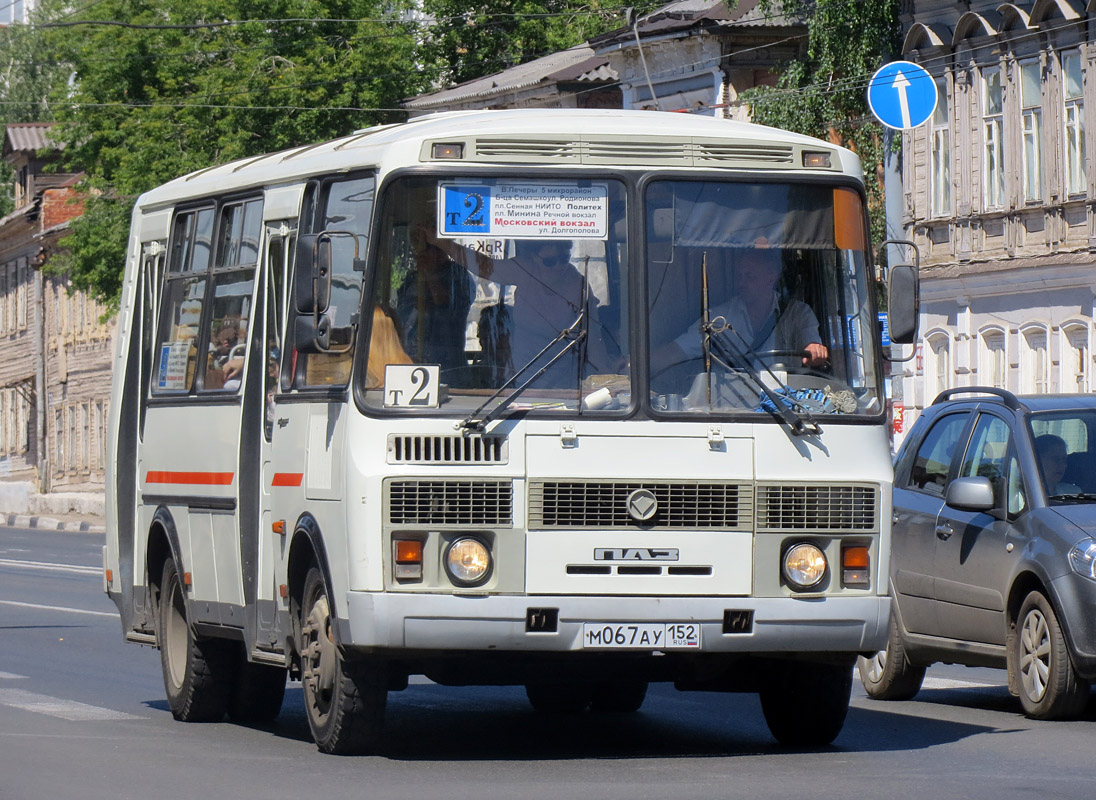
(940, 154)
(993, 191)
(1073, 127)
(1032, 180)
(179, 267)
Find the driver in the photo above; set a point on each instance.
(755, 314)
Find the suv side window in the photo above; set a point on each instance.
(991, 455)
(932, 463)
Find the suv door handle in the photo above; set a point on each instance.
(944, 531)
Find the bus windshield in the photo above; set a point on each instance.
(756, 290)
(511, 295)
(501, 284)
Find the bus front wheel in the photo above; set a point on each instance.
(344, 700)
(197, 672)
(805, 703)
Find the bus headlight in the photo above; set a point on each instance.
(468, 562)
(804, 565)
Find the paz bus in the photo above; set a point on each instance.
(570, 400)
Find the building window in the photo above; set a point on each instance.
(1034, 365)
(937, 377)
(941, 154)
(1075, 359)
(1031, 121)
(1074, 122)
(993, 169)
(993, 365)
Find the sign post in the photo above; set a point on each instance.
(902, 95)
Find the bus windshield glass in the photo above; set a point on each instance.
(758, 294)
(484, 288)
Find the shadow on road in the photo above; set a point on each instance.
(437, 723)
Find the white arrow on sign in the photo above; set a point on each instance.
(901, 84)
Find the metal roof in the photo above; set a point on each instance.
(29, 137)
(574, 64)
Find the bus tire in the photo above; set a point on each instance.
(197, 672)
(805, 703)
(559, 698)
(619, 697)
(257, 692)
(344, 700)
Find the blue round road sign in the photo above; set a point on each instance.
(902, 95)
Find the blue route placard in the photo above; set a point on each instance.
(466, 210)
(902, 95)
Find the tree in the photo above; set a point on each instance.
(164, 87)
(824, 94)
(478, 38)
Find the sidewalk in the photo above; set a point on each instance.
(78, 523)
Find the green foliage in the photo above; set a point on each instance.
(147, 104)
(478, 38)
(824, 94)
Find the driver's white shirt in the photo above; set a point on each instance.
(796, 328)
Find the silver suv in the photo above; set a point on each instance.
(993, 558)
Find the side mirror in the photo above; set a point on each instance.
(312, 273)
(971, 494)
(312, 334)
(903, 304)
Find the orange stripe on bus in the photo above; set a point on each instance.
(190, 478)
(287, 479)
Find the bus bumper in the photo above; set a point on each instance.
(471, 623)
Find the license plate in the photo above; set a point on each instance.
(641, 636)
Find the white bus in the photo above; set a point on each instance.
(574, 400)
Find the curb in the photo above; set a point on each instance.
(50, 524)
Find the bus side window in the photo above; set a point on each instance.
(276, 257)
(344, 208)
(176, 354)
(238, 233)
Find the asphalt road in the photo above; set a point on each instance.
(82, 715)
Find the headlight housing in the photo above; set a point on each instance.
(468, 562)
(1082, 558)
(804, 566)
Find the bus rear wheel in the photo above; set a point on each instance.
(197, 672)
(257, 692)
(805, 703)
(344, 700)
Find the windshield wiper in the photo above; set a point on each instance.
(573, 334)
(1075, 497)
(801, 423)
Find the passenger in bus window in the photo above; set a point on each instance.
(758, 317)
(432, 304)
(548, 297)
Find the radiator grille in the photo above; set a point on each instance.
(681, 506)
(450, 502)
(817, 508)
(447, 449)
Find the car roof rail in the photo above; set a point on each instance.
(1008, 398)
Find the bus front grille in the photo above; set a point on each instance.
(811, 507)
(447, 449)
(450, 502)
(681, 505)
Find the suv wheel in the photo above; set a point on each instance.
(1049, 686)
(889, 675)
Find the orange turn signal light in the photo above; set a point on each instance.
(855, 557)
(408, 551)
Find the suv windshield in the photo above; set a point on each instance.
(752, 283)
(484, 286)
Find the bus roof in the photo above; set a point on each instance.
(546, 137)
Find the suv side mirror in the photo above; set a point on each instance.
(903, 304)
(971, 494)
